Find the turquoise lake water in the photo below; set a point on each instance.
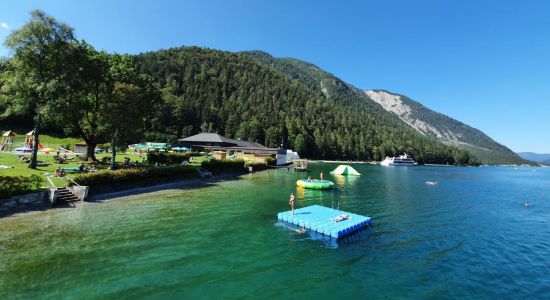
(468, 237)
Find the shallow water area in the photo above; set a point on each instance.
(468, 236)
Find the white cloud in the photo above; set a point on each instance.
(4, 25)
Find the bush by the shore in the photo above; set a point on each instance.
(167, 158)
(270, 161)
(256, 166)
(223, 166)
(18, 185)
(105, 177)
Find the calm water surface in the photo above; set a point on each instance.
(468, 237)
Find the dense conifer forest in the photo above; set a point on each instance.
(236, 96)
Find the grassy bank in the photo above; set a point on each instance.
(49, 165)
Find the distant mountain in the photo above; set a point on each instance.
(413, 114)
(444, 128)
(543, 158)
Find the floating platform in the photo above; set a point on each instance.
(315, 184)
(322, 220)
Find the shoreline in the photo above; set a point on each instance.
(133, 191)
(343, 162)
(122, 193)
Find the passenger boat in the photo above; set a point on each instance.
(401, 160)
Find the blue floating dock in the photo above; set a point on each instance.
(321, 219)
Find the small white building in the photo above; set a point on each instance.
(286, 156)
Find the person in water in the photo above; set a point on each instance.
(291, 202)
(309, 178)
(526, 204)
(321, 176)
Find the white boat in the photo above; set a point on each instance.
(401, 160)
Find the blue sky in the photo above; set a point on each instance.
(485, 63)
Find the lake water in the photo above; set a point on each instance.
(468, 237)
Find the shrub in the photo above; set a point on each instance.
(17, 185)
(254, 164)
(105, 177)
(223, 166)
(167, 158)
(270, 161)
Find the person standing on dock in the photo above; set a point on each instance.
(291, 202)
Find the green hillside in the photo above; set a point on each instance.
(235, 95)
(340, 93)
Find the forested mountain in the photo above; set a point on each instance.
(444, 128)
(411, 113)
(315, 113)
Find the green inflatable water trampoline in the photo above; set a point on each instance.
(315, 184)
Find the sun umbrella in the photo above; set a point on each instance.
(48, 150)
(23, 149)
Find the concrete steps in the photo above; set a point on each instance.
(64, 195)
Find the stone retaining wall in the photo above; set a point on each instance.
(33, 199)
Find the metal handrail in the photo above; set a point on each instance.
(67, 177)
(50, 181)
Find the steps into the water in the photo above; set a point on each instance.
(66, 196)
(324, 220)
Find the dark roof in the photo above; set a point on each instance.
(206, 137)
(259, 150)
(216, 138)
(246, 144)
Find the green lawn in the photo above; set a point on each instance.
(49, 165)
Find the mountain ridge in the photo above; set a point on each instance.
(303, 107)
(543, 158)
(415, 115)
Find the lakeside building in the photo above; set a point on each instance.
(223, 147)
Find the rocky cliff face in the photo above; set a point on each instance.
(444, 128)
(394, 104)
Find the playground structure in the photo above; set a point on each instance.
(29, 138)
(7, 140)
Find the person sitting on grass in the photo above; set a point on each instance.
(92, 168)
(81, 167)
(126, 162)
(59, 172)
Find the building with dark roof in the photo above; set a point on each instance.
(215, 142)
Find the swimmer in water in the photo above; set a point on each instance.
(526, 204)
